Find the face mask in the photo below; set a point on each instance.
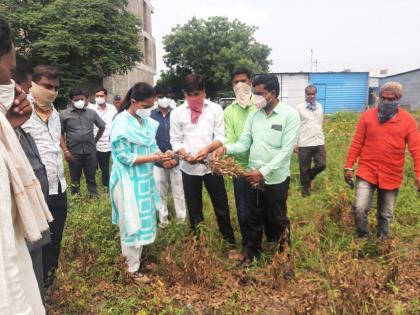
(43, 97)
(173, 104)
(164, 102)
(260, 101)
(7, 95)
(79, 104)
(243, 94)
(387, 110)
(99, 100)
(143, 113)
(196, 102)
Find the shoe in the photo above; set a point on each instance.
(163, 225)
(245, 263)
(289, 275)
(306, 192)
(141, 278)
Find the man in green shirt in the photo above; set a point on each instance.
(235, 117)
(270, 135)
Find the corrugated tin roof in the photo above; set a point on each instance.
(393, 75)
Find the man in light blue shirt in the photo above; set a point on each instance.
(270, 135)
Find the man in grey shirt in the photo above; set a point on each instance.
(78, 141)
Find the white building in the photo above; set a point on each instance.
(145, 70)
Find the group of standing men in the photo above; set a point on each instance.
(257, 129)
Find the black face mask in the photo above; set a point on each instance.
(387, 110)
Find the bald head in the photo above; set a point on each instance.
(394, 88)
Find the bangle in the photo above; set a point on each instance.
(348, 169)
(66, 151)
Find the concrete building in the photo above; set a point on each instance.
(337, 91)
(145, 70)
(411, 83)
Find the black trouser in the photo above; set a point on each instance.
(86, 163)
(103, 162)
(242, 191)
(268, 206)
(215, 185)
(50, 252)
(306, 155)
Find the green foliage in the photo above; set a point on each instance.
(84, 39)
(213, 48)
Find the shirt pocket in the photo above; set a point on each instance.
(273, 137)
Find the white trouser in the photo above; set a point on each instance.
(162, 177)
(132, 254)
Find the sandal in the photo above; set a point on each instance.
(139, 277)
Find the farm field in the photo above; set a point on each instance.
(335, 273)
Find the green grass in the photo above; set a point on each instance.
(332, 276)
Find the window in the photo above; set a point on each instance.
(146, 51)
(146, 21)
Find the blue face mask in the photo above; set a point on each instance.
(387, 110)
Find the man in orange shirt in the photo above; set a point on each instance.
(379, 146)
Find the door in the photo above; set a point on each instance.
(321, 94)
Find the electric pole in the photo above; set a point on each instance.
(312, 58)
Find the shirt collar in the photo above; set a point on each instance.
(206, 103)
(277, 109)
(160, 112)
(75, 109)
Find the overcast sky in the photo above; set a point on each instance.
(362, 35)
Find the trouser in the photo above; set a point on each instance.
(162, 177)
(35, 250)
(103, 162)
(86, 163)
(386, 204)
(36, 257)
(51, 251)
(132, 254)
(242, 191)
(215, 185)
(269, 204)
(318, 155)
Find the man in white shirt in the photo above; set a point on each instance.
(311, 143)
(197, 129)
(107, 113)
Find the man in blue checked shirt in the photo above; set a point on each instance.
(169, 170)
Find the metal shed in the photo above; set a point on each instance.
(337, 91)
(411, 83)
(341, 91)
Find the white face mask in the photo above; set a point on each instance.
(99, 100)
(7, 94)
(243, 93)
(79, 104)
(164, 102)
(143, 112)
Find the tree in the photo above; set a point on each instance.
(212, 48)
(86, 40)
